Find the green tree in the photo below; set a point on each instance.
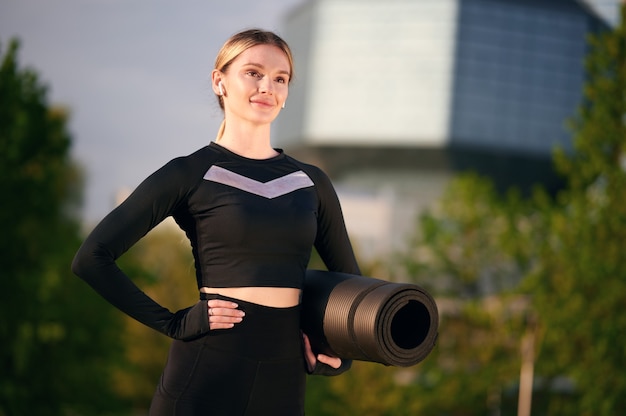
(57, 342)
(580, 283)
(471, 251)
(562, 256)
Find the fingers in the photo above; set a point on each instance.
(311, 359)
(308, 353)
(334, 362)
(223, 314)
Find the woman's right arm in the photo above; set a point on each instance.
(155, 198)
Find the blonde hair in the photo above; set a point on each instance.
(240, 42)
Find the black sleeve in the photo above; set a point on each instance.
(334, 247)
(332, 241)
(155, 198)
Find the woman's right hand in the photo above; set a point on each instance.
(223, 314)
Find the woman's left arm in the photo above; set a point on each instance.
(334, 247)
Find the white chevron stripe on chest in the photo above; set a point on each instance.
(271, 189)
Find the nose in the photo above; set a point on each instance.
(266, 86)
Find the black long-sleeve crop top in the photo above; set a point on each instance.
(250, 223)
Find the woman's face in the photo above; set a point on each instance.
(256, 85)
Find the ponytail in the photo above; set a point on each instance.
(220, 132)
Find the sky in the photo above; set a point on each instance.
(134, 74)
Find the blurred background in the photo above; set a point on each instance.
(477, 147)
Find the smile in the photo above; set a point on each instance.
(262, 103)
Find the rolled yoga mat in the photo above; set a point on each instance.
(362, 318)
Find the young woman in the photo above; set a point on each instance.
(252, 215)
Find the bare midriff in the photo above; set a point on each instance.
(276, 297)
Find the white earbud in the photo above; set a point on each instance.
(219, 86)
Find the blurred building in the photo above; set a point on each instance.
(609, 10)
(393, 97)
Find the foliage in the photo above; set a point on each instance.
(471, 247)
(163, 265)
(367, 389)
(580, 283)
(57, 342)
(562, 256)
(472, 252)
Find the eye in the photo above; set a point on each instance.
(281, 80)
(254, 74)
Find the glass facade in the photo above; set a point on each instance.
(518, 75)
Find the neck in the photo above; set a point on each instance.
(247, 141)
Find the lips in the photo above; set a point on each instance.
(264, 103)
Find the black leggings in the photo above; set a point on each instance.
(255, 368)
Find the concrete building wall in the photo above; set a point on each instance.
(376, 72)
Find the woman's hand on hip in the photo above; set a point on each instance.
(223, 314)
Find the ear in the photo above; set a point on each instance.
(216, 82)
